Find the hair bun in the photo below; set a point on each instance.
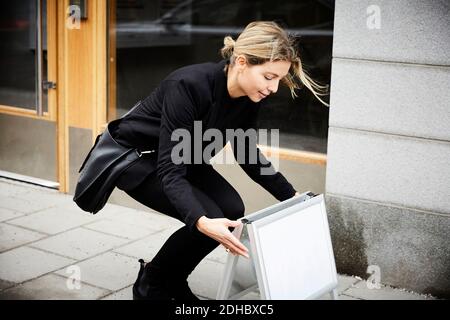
(228, 48)
(229, 42)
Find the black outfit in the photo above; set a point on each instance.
(188, 191)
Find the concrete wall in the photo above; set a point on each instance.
(388, 171)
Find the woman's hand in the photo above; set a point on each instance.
(217, 229)
(296, 194)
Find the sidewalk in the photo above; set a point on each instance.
(46, 240)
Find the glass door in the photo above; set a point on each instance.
(28, 90)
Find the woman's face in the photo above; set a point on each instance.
(259, 81)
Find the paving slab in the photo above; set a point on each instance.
(345, 282)
(51, 287)
(253, 295)
(43, 232)
(25, 263)
(110, 211)
(49, 196)
(123, 294)
(7, 214)
(52, 220)
(111, 271)
(79, 243)
(21, 205)
(12, 188)
(205, 278)
(340, 297)
(121, 229)
(12, 236)
(6, 284)
(147, 247)
(360, 290)
(218, 254)
(152, 220)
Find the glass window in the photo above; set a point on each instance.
(153, 38)
(18, 53)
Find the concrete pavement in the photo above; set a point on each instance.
(47, 243)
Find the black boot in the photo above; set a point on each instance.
(151, 283)
(179, 290)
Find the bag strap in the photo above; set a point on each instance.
(131, 110)
(139, 153)
(87, 157)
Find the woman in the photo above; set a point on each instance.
(224, 95)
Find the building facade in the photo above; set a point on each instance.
(388, 177)
(379, 152)
(93, 60)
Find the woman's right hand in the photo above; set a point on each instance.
(217, 229)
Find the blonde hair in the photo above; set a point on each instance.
(263, 41)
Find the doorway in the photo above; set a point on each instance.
(28, 89)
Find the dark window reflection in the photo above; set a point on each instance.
(156, 37)
(18, 53)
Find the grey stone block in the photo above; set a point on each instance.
(340, 297)
(389, 169)
(254, 295)
(344, 282)
(53, 220)
(148, 219)
(123, 294)
(218, 255)
(361, 291)
(79, 243)
(45, 195)
(391, 98)
(11, 188)
(111, 271)
(120, 229)
(6, 284)
(410, 247)
(147, 247)
(205, 278)
(109, 211)
(11, 236)
(7, 214)
(21, 205)
(26, 263)
(51, 287)
(411, 31)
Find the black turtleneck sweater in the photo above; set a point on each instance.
(192, 93)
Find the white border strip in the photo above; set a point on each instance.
(28, 179)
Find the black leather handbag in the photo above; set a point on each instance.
(101, 168)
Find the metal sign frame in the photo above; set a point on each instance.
(248, 233)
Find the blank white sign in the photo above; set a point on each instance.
(294, 252)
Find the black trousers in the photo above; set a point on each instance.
(184, 249)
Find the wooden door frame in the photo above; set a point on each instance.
(94, 107)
